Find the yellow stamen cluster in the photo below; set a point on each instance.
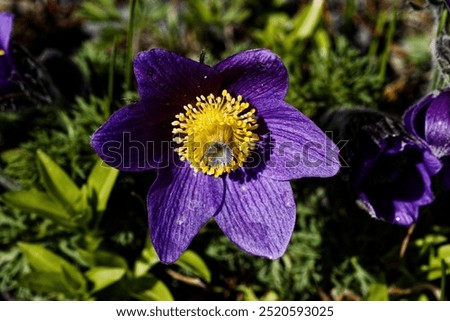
(2, 52)
(216, 136)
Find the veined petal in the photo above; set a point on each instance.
(254, 74)
(258, 215)
(431, 163)
(414, 117)
(172, 80)
(396, 196)
(407, 211)
(6, 25)
(437, 124)
(132, 139)
(298, 147)
(179, 203)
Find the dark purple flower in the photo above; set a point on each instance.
(6, 61)
(429, 120)
(225, 146)
(388, 169)
(24, 82)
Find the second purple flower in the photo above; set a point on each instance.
(429, 120)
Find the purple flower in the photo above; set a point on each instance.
(389, 171)
(429, 120)
(6, 61)
(24, 83)
(224, 144)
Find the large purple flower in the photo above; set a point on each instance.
(387, 168)
(224, 144)
(6, 61)
(429, 120)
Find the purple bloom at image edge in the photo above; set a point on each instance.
(396, 180)
(6, 61)
(429, 120)
(241, 177)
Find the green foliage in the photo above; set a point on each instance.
(100, 184)
(79, 210)
(51, 273)
(40, 203)
(437, 267)
(378, 292)
(193, 263)
(66, 140)
(103, 10)
(64, 202)
(102, 277)
(287, 36)
(340, 77)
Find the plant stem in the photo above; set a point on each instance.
(130, 42)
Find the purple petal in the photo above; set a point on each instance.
(172, 80)
(6, 24)
(394, 193)
(132, 139)
(431, 163)
(407, 211)
(299, 147)
(437, 124)
(179, 203)
(414, 117)
(254, 74)
(258, 215)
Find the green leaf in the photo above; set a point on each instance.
(102, 258)
(100, 183)
(103, 10)
(83, 211)
(310, 21)
(43, 260)
(323, 42)
(40, 203)
(56, 182)
(191, 262)
(270, 296)
(148, 259)
(141, 267)
(430, 239)
(46, 282)
(435, 267)
(103, 276)
(249, 294)
(152, 289)
(378, 292)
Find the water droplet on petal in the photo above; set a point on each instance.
(181, 220)
(194, 204)
(397, 218)
(287, 199)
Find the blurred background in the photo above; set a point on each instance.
(71, 229)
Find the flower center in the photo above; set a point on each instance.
(2, 52)
(216, 136)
